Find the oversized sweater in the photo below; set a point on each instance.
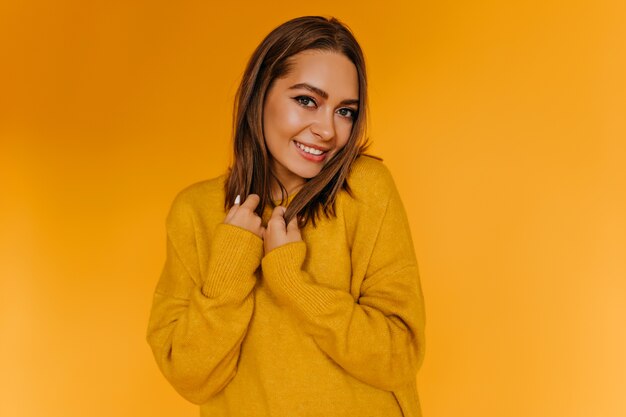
(332, 325)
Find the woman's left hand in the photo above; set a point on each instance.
(277, 233)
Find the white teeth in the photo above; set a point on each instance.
(309, 150)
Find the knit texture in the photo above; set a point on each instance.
(332, 325)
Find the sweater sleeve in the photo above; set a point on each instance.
(197, 323)
(378, 339)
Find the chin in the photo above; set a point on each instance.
(310, 174)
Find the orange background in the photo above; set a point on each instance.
(503, 124)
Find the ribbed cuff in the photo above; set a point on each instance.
(235, 255)
(282, 270)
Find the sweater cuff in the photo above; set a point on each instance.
(235, 255)
(282, 270)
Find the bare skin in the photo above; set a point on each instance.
(243, 215)
(277, 232)
(312, 106)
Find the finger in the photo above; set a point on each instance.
(238, 199)
(293, 225)
(276, 220)
(293, 232)
(231, 213)
(278, 213)
(262, 232)
(251, 202)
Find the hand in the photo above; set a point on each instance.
(244, 216)
(277, 233)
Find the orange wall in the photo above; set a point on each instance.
(504, 126)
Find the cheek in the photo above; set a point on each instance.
(343, 134)
(291, 120)
(283, 120)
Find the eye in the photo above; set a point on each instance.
(347, 112)
(305, 101)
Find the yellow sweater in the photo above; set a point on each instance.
(329, 326)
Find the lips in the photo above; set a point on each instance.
(306, 154)
(315, 147)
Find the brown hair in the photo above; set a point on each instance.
(250, 172)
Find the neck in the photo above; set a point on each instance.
(291, 189)
(288, 179)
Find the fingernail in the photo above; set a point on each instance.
(238, 199)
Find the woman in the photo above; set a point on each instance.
(291, 286)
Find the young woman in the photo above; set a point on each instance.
(291, 286)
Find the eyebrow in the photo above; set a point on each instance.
(321, 92)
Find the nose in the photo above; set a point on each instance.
(324, 125)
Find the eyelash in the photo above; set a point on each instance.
(299, 99)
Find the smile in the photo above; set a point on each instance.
(306, 149)
(310, 154)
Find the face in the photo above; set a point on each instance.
(308, 115)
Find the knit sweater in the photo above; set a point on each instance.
(332, 325)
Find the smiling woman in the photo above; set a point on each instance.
(302, 131)
(291, 285)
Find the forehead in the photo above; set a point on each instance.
(332, 72)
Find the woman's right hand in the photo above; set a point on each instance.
(244, 216)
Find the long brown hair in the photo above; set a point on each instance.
(251, 172)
